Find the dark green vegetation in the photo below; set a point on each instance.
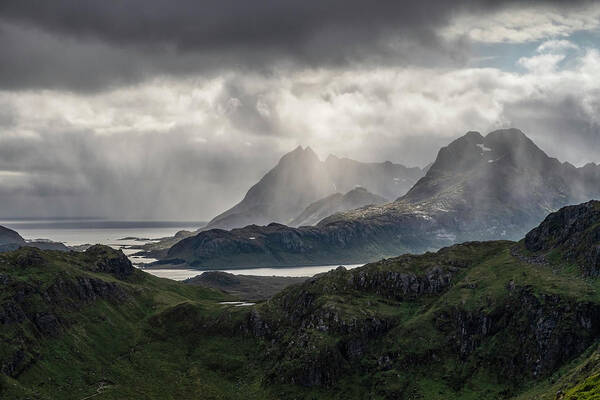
(479, 188)
(245, 287)
(479, 320)
(73, 325)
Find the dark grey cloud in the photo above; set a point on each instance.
(91, 45)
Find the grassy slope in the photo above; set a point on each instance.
(424, 366)
(117, 348)
(169, 340)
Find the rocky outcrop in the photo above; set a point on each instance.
(573, 231)
(538, 333)
(107, 260)
(296, 320)
(402, 285)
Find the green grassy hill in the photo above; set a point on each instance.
(75, 325)
(479, 320)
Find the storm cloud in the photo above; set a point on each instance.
(90, 45)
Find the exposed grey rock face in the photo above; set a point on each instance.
(401, 285)
(300, 179)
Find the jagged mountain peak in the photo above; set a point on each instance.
(474, 150)
(473, 136)
(480, 160)
(300, 154)
(513, 145)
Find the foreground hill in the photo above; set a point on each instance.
(300, 179)
(90, 325)
(480, 320)
(483, 320)
(479, 188)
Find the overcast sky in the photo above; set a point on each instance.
(156, 109)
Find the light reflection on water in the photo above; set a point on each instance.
(181, 274)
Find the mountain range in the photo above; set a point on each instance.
(301, 178)
(496, 186)
(479, 320)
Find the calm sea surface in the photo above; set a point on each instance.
(111, 233)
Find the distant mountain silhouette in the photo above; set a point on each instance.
(300, 179)
(356, 198)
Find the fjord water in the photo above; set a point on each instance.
(73, 232)
(181, 274)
